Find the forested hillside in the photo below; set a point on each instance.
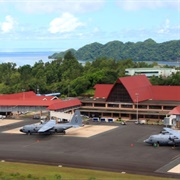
(68, 76)
(148, 50)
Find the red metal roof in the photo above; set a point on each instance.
(25, 96)
(140, 85)
(137, 85)
(166, 93)
(175, 111)
(64, 104)
(102, 90)
(26, 99)
(31, 99)
(21, 95)
(27, 102)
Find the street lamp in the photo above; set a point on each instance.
(137, 95)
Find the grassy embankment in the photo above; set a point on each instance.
(21, 171)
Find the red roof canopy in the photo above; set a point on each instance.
(21, 95)
(171, 93)
(141, 86)
(27, 102)
(64, 104)
(31, 99)
(102, 90)
(175, 111)
(26, 99)
(137, 86)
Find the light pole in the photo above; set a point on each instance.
(137, 95)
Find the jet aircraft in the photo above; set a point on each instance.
(171, 137)
(51, 127)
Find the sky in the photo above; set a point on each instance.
(64, 24)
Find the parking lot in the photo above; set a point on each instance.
(104, 146)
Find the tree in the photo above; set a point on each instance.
(79, 85)
(69, 56)
(6, 70)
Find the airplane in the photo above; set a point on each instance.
(176, 135)
(167, 137)
(51, 127)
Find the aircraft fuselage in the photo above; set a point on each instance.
(162, 139)
(33, 129)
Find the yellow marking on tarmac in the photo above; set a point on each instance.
(8, 121)
(175, 169)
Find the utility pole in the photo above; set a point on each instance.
(137, 96)
(37, 89)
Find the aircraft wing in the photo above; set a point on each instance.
(173, 132)
(47, 126)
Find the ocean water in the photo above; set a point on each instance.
(25, 57)
(169, 63)
(31, 56)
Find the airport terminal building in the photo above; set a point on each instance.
(130, 98)
(31, 102)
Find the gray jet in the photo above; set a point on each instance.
(51, 127)
(168, 137)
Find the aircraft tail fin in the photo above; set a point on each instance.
(76, 120)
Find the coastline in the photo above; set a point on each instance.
(31, 57)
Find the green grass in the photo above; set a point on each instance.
(21, 171)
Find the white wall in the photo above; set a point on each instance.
(61, 115)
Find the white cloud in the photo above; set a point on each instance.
(49, 6)
(165, 28)
(8, 24)
(96, 29)
(147, 4)
(66, 23)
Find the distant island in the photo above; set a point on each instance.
(147, 50)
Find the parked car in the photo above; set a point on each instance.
(36, 116)
(2, 117)
(143, 121)
(43, 117)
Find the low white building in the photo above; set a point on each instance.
(164, 72)
(173, 118)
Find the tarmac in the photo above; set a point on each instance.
(100, 146)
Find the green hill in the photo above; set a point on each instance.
(147, 50)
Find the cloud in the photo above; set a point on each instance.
(49, 6)
(147, 4)
(168, 30)
(165, 28)
(66, 23)
(8, 24)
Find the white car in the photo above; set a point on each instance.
(140, 122)
(2, 117)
